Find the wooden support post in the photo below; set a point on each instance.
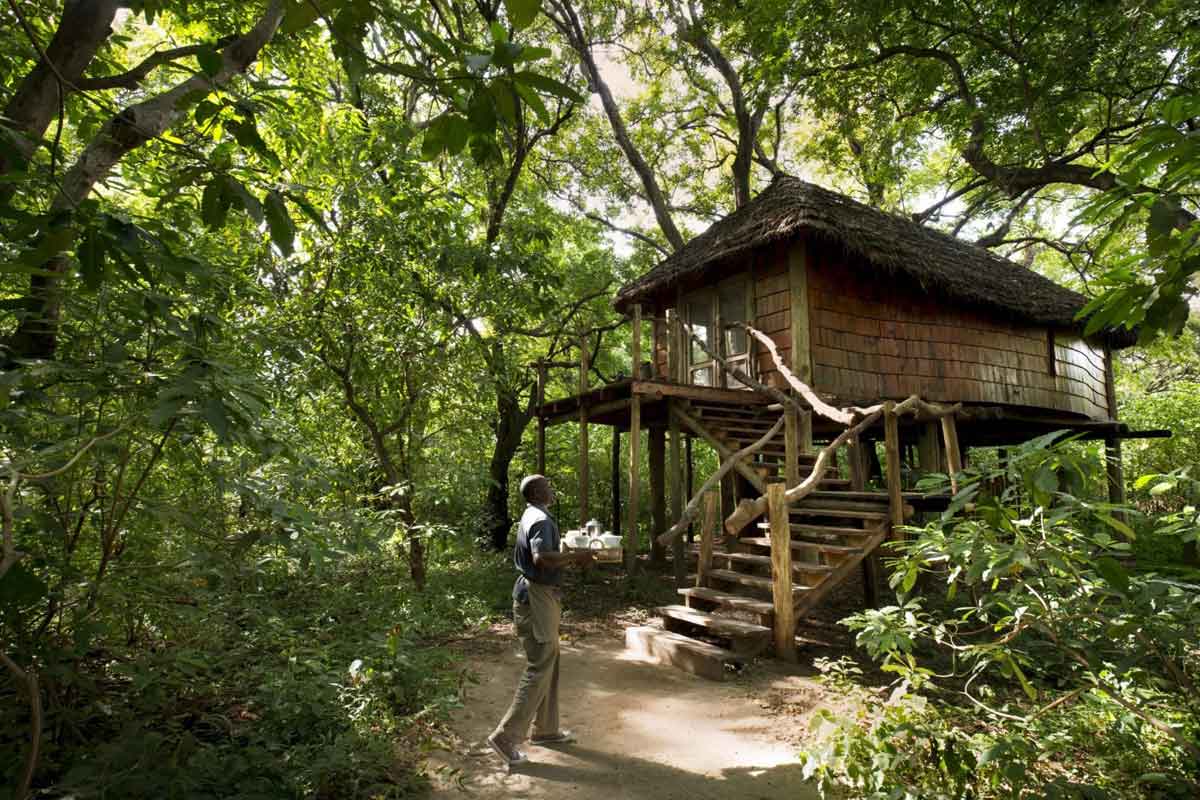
(635, 443)
(791, 446)
(541, 422)
(690, 481)
(870, 571)
(953, 454)
(583, 432)
(805, 439)
(781, 572)
(929, 449)
(708, 530)
(679, 560)
(1115, 470)
(891, 443)
(658, 491)
(856, 455)
(616, 481)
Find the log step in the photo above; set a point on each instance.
(690, 655)
(765, 561)
(751, 581)
(724, 627)
(847, 513)
(733, 602)
(821, 547)
(820, 530)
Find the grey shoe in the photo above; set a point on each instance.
(506, 750)
(561, 737)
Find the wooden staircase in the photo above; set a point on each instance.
(727, 617)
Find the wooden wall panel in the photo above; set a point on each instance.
(875, 337)
(773, 309)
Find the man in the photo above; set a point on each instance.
(536, 611)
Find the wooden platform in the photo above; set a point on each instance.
(675, 649)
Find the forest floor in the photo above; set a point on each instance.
(644, 730)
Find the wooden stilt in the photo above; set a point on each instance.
(1112, 447)
(858, 464)
(870, 571)
(708, 530)
(635, 439)
(929, 449)
(791, 446)
(891, 442)
(953, 454)
(805, 440)
(583, 433)
(690, 480)
(781, 572)
(679, 561)
(541, 421)
(616, 481)
(658, 490)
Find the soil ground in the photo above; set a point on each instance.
(645, 731)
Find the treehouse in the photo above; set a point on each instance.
(830, 354)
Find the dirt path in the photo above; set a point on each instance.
(645, 731)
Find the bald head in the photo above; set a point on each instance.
(536, 490)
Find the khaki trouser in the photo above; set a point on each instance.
(537, 691)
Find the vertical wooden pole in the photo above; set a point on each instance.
(953, 454)
(1115, 470)
(679, 560)
(929, 449)
(583, 432)
(541, 421)
(781, 572)
(689, 481)
(891, 443)
(658, 490)
(791, 446)
(805, 438)
(858, 464)
(635, 443)
(616, 481)
(708, 530)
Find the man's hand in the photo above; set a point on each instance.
(584, 558)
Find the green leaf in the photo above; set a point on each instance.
(456, 132)
(522, 13)
(214, 415)
(238, 193)
(532, 99)
(298, 15)
(283, 232)
(548, 85)
(90, 253)
(20, 587)
(506, 104)
(1162, 488)
(481, 112)
(210, 60)
(1113, 573)
(1119, 526)
(214, 204)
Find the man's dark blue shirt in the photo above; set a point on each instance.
(536, 533)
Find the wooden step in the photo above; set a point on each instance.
(674, 649)
(820, 547)
(757, 582)
(705, 597)
(828, 530)
(744, 638)
(847, 513)
(751, 559)
(879, 498)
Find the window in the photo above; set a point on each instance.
(706, 315)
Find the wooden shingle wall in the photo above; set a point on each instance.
(772, 309)
(878, 337)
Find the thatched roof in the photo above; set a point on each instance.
(935, 261)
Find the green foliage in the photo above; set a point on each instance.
(1052, 666)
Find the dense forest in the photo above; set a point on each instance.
(276, 278)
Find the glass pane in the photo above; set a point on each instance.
(702, 377)
(733, 309)
(743, 364)
(701, 324)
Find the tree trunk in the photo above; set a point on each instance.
(84, 27)
(511, 421)
(36, 335)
